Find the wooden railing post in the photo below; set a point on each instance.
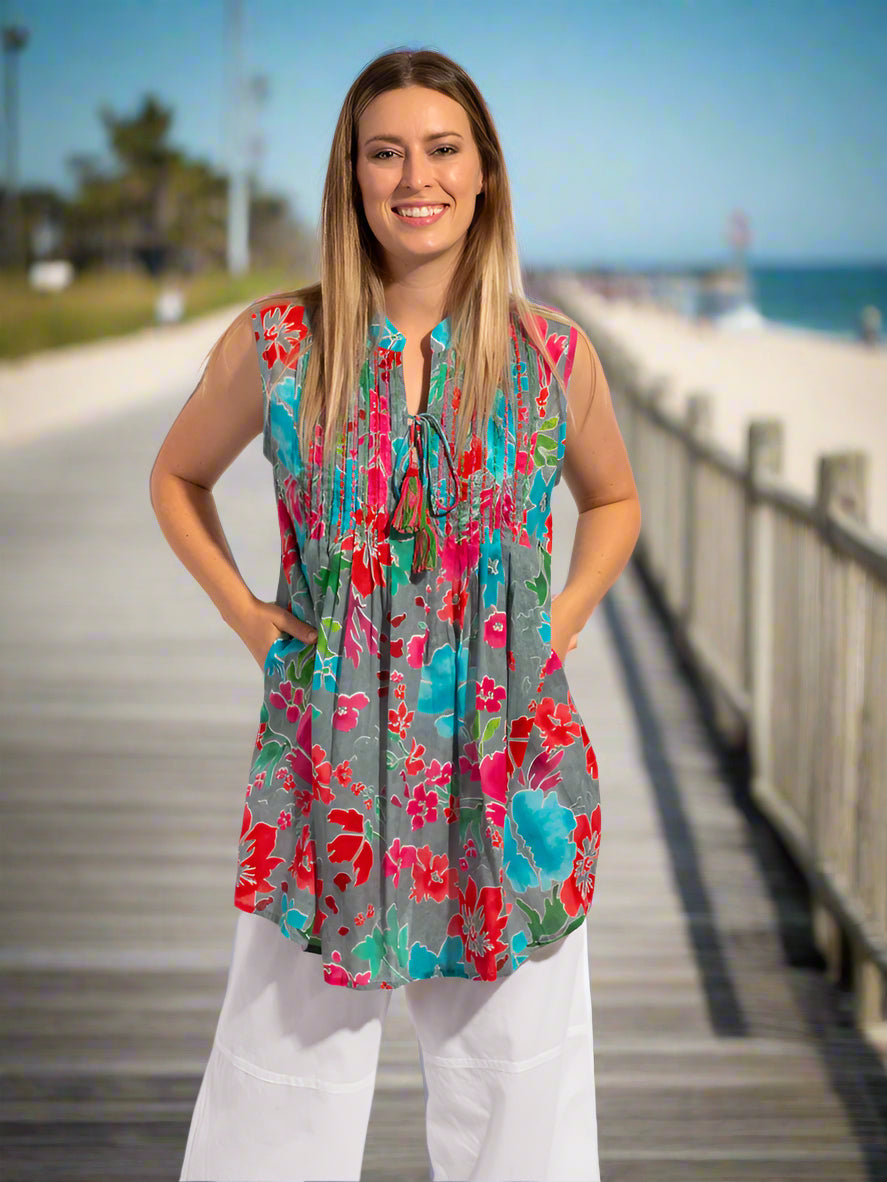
(842, 485)
(764, 447)
(699, 418)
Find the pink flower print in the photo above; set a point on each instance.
(398, 857)
(285, 698)
(495, 629)
(494, 781)
(288, 546)
(468, 760)
(423, 806)
(489, 695)
(347, 709)
(285, 819)
(416, 650)
(439, 773)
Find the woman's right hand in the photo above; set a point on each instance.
(267, 622)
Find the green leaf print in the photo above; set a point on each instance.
(533, 919)
(490, 728)
(269, 754)
(540, 586)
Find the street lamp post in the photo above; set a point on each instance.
(15, 37)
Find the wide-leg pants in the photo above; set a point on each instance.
(508, 1069)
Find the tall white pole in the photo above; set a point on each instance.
(238, 181)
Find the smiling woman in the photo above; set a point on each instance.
(422, 807)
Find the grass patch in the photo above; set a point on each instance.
(105, 305)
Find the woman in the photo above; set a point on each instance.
(423, 798)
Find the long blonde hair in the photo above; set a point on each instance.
(485, 291)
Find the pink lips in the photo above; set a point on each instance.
(426, 221)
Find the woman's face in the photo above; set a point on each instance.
(403, 159)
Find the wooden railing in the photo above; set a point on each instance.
(781, 605)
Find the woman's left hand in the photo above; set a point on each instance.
(562, 628)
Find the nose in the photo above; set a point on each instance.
(415, 170)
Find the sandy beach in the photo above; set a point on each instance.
(831, 394)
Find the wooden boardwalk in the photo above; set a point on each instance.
(128, 714)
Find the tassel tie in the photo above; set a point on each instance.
(411, 516)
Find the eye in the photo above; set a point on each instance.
(449, 148)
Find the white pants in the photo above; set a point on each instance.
(508, 1069)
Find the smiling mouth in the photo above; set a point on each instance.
(421, 215)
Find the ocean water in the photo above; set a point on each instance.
(827, 298)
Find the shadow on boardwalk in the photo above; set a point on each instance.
(129, 711)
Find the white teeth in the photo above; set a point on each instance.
(419, 211)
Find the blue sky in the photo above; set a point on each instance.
(631, 128)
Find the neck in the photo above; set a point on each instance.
(416, 298)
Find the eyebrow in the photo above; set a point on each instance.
(395, 139)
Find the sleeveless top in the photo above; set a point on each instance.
(423, 797)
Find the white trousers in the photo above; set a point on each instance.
(508, 1070)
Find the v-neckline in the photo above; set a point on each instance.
(393, 341)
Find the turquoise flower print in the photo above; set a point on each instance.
(293, 922)
(448, 962)
(537, 845)
(443, 679)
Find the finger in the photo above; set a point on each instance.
(301, 629)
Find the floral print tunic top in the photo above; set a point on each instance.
(423, 797)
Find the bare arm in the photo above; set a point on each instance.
(598, 473)
(221, 417)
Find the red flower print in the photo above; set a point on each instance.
(479, 924)
(590, 757)
(257, 864)
(453, 607)
(414, 764)
(578, 890)
(351, 845)
(371, 560)
(399, 720)
(519, 732)
(423, 806)
(472, 460)
(343, 773)
(289, 551)
(433, 877)
(398, 857)
(281, 331)
(347, 708)
(304, 863)
(495, 629)
(451, 811)
(489, 695)
(556, 722)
